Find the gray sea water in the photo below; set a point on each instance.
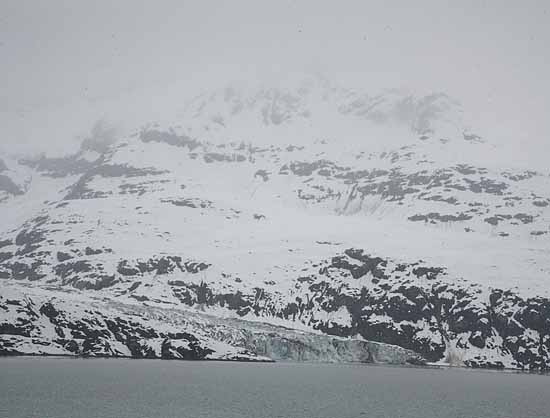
(97, 388)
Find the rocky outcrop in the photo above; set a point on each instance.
(49, 326)
(413, 306)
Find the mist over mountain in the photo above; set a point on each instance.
(301, 220)
(266, 181)
(75, 64)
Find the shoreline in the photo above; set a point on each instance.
(427, 366)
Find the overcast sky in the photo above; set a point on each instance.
(67, 63)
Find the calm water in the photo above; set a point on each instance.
(77, 388)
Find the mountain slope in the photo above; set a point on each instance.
(313, 207)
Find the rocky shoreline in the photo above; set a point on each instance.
(34, 323)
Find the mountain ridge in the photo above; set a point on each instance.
(407, 241)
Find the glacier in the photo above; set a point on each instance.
(309, 223)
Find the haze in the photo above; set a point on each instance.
(66, 64)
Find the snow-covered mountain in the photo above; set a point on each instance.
(307, 222)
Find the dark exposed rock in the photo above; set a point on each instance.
(429, 273)
(160, 265)
(80, 189)
(355, 176)
(90, 251)
(520, 176)
(485, 185)
(466, 169)
(135, 286)
(524, 218)
(189, 203)
(434, 217)
(61, 256)
(49, 310)
(217, 157)
(4, 256)
(169, 138)
(124, 269)
(439, 198)
(190, 350)
(5, 243)
(99, 282)
(24, 271)
(194, 267)
(263, 174)
(471, 137)
(494, 220)
(64, 270)
(12, 329)
(30, 239)
(306, 169)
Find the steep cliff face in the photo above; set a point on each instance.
(363, 218)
